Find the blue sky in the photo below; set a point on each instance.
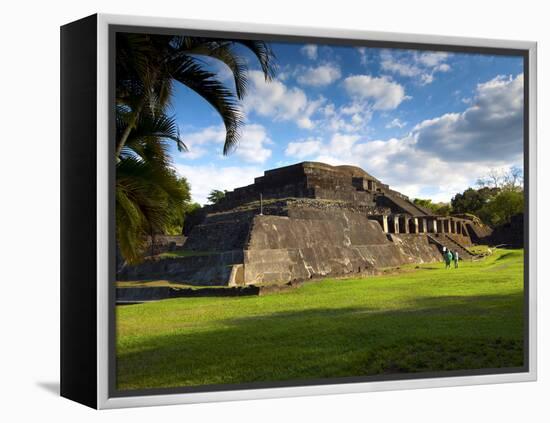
(427, 123)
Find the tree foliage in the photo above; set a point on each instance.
(498, 198)
(509, 179)
(216, 196)
(150, 197)
(502, 207)
(440, 209)
(149, 66)
(472, 200)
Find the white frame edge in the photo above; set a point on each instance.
(103, 399)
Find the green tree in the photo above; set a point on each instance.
(148, 66)
(150, 197)
(178, 208)
(216, 196)
(472, 200)
(441, 209)
(427, 204)
(502, 207)
(509, 179)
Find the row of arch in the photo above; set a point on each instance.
(403, 224)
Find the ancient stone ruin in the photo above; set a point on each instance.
(305, 221)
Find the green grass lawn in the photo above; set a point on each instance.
(158, 283)
(183, 253)
(430, 319)
(480, 250)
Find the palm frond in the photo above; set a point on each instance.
(187, 71)
(264, 54)
(151, 135)
(145, 198)
(149, 194)
(223, 51)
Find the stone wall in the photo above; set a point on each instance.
(463, 240)
(308, 180)
(510, 234)
(342, 228)
(218, 231)
(314, 220)
(416, 248)
(221, 235)
(478, 233)
(271, 249)
(399, 203)
(201, 269)
(283, 249)
(313, 180)
(165, 243)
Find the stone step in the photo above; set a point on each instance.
(407, 205)
(445, 241)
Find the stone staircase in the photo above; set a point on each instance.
(406, 206)
(442, 240)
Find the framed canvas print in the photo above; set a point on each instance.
(255, 211)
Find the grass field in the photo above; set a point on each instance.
(183, 253)
(417, 320)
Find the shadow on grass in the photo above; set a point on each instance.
(509, 255)
(432, 334)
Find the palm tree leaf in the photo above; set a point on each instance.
(264, 54)
(151, 134)
(187, 71)
(148, 191)
(146, 194)
(224, 51)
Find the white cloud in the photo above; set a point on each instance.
(412, 64)
(363, 59)
(384, 93)
(273, 98)
(395, 123)
(333, 152)
(404, 69)
(441, 156)
(319, 76)
(492, 127)
(399, 163)
(352, 108)
(251, 146)
(310, 51)
(426, 78)
(432, 58)
(206, 135)
(351, 117)
(204, 179)
(276, 100)
(301, 149)
(342, 142)
(305, 123)
(197, 142)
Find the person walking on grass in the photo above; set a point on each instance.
(448, 257)
(455, 258)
